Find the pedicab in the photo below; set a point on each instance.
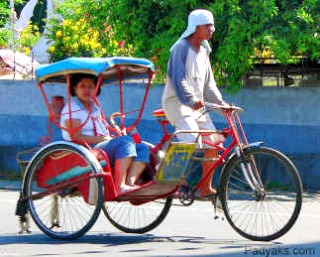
(66, 184)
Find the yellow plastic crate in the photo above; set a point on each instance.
(175, 163)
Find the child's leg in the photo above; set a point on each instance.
(121, 167)
(139, 164)
(135, 171)
(121, 151)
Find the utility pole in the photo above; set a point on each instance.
(13, 18)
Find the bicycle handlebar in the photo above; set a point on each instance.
(213, 106)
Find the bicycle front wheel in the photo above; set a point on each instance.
(261, 194)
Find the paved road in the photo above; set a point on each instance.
(187, 231)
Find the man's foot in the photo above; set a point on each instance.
(207, 193)
(200, 196)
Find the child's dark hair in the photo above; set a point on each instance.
(75, 79)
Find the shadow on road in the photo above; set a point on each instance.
(225, 247)
(125, 239)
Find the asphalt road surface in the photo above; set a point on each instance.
(186, 231)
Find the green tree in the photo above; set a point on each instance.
(4, 12)
(82, 28)
(39, 12)
(74, 38)
(150, 26)
(27, 37)
(245, 30)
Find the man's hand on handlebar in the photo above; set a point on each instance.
(198, 105)
(225, 104)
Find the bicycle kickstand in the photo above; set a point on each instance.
(217, 205)
(22, 212)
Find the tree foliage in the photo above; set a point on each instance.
(9, 36)
(246, 30)
(39, 12)
(74, 38)
(82, 28)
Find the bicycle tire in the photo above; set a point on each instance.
(63, 214)
(262, 218)
(138, 219)
(133, 217)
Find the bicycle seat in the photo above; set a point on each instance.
(159, 113)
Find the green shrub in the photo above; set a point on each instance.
(245, 30)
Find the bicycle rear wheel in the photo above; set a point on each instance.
(269, 212)
(63, 212)
(137, 218)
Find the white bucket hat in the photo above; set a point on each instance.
(197, 18)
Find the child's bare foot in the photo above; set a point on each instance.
(125, 188)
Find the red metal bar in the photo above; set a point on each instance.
(143, 102)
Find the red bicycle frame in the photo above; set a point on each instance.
(233, 130)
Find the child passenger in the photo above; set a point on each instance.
(128, 158)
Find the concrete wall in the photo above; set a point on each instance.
(284, 118)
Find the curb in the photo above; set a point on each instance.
(10, 185)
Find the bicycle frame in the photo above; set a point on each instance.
(233, 130)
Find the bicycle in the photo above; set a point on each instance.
(66, 185)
